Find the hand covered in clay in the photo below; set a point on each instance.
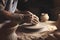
(31, 18)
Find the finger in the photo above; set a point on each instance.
(34, 22)
(35, 17)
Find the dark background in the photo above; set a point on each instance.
(37, 6)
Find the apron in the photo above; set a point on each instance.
(11, 5)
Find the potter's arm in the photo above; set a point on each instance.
(23, 18)
(12, 16)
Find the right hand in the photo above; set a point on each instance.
(31, 18)
(27, 18)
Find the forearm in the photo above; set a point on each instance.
(12, 16)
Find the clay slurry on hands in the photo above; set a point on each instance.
(34, 19)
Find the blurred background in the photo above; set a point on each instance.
(52, 7)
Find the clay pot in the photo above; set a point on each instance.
(44, 17)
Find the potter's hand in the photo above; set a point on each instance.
(31, 18)
(27, 18)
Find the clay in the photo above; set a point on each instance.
(44, 17)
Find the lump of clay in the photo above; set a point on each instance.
(44, 17)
